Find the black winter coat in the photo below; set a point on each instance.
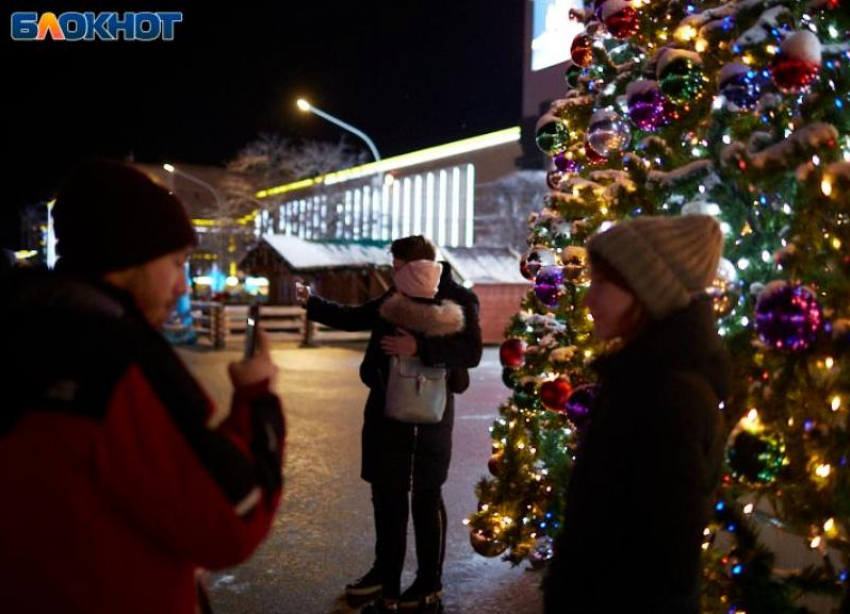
(643, 484)
(397, 454)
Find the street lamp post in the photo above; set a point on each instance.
(176, 171)
(218, 201)
(309, 108)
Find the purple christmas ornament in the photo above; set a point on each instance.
(580, 404)
(788, 316)
(565, 164)
(548, 286)
(646, 105)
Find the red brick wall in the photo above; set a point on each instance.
(498, 304)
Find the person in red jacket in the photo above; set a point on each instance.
(119, 481)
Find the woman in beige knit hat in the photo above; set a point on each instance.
(643, 484)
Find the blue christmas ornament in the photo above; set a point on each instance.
(741, 86)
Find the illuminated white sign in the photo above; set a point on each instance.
(553, 32)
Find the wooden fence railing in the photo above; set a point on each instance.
(221, 324)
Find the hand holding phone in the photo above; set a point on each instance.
(252, 325)
(302, 293)
(258, 368)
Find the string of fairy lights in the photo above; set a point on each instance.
(737, 110)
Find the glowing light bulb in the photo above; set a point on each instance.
(836, 403)
(752, 417)
(826, 186)
(823, 471)
(686, 33)
(829, 525)
(829, 364)
(748, 508)
(815, 543)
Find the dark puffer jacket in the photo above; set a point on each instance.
(643, 484)
(397, 454)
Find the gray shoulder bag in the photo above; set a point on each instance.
(415, 393)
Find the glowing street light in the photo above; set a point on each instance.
(306, 107)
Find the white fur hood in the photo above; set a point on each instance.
(431, 320)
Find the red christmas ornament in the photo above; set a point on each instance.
(555, 393)
(798, 62)
(594, 158)
(512, 353)
(553, 179)
(621, 18)
(582, 50)
(494, 464)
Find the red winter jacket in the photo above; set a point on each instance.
(115, 487)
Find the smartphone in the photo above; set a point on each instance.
(251, 326)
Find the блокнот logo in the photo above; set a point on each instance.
(88, 26)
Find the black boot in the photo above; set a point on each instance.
(367, 586)
(421, 596)
(381, 606)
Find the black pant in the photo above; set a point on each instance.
(429, 527)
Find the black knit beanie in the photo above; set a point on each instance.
(110, 216)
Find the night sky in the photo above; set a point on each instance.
(409, 74)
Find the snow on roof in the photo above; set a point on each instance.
(302, 254)
(485, 265)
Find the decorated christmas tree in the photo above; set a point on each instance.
(738, 110)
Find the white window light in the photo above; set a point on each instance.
(470, 205)
(396, 218)
(386, 219)
(442, 207)
(429, 205)
(417, 205)
(405, 206)
(455, 236)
